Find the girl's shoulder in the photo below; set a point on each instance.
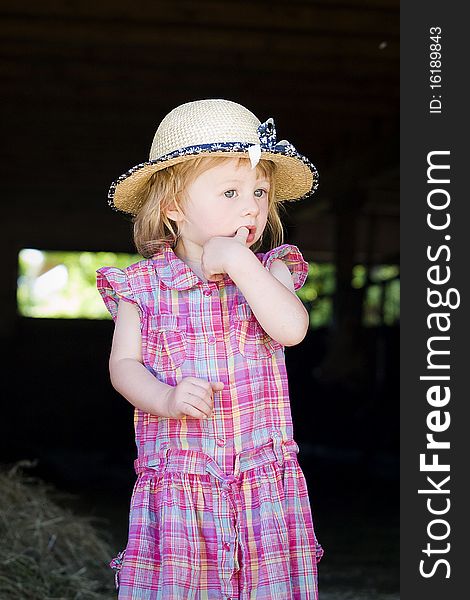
(138, 268)
(128, 284)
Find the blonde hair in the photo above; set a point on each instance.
(165, 191)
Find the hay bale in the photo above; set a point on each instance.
(46, 551)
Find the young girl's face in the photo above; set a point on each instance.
(223, 199)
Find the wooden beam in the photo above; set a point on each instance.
(339, 18)
(263, 42)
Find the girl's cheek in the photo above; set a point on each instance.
(264, 214)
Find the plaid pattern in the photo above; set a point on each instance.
(220, 508)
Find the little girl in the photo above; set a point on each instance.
(220, 508)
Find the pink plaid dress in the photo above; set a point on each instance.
(220, 508)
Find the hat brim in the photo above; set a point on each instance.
(296, 177)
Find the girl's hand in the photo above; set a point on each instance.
(219, 251)
(192, 397)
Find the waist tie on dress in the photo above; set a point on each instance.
(197, 462)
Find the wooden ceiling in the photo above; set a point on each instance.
(85, 84)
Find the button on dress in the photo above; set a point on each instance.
(220, 508)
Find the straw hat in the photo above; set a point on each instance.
(219, 128)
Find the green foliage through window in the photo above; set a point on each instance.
(381, 283)
(63, 284)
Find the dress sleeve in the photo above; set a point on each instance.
(294, 260)
(113, 285)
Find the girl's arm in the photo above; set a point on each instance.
(271, 296)
(191, 397)
(128, 375)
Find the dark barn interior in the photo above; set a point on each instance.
(85, 85)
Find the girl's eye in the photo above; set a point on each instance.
(229, 194)
(259, 193)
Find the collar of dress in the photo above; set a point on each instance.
(175, 273)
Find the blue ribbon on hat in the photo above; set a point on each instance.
(268, 143)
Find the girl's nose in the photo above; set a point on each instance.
(251, 205)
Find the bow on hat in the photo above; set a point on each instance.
(268, 143)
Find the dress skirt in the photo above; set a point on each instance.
(196, 533)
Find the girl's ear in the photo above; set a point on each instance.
(174, 215)
(174, 212)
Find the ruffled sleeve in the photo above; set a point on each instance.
(294, 260)
(113, 285)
